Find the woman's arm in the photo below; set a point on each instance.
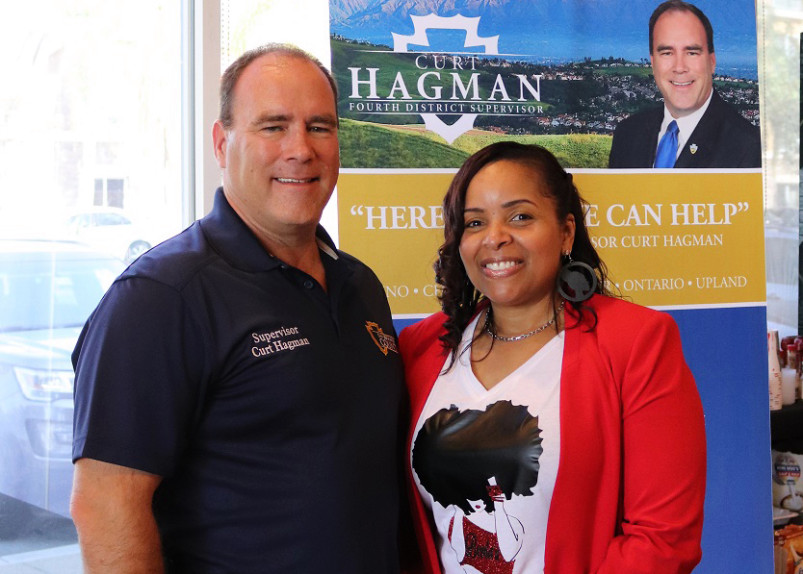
(509, 529)
(457, 538)
(664, 459)
(509, 532)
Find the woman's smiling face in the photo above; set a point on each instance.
(512, 240)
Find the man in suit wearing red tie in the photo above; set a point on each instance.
(695, 128)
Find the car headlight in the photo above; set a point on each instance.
(44, 385)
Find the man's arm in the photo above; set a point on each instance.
(111, 507)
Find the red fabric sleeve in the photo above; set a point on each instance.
(423, 358)
(664, 458)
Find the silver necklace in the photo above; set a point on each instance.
(490, 328)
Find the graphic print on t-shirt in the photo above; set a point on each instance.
(472, 462)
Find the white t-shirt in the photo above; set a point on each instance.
(510, 433)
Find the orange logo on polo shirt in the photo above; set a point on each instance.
(384, 342)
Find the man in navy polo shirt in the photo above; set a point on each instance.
(238, 389)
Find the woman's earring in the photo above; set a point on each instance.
(577, 281)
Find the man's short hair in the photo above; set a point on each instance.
(680, 6)
(229, 78)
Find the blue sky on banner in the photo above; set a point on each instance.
(554, 31)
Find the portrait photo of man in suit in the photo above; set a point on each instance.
(695, 128)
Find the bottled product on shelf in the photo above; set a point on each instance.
(775, 382)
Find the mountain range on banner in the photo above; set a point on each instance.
(556, 30)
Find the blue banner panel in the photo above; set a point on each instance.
(731, 373)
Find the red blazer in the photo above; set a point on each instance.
(631, 478)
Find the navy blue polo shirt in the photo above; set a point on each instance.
(270, 406)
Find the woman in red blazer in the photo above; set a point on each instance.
(554, 428)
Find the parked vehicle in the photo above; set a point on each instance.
(47, 290)
(110, 230)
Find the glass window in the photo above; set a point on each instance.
(90, 177)
(779, 52)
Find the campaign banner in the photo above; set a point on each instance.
(667, 239)
(423, 85)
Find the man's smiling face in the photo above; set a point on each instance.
(280, 156)
(681, 63)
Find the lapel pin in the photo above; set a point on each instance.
(693, 148)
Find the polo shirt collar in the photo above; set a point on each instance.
(237, 244)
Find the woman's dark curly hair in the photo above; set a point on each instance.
(458, 297)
